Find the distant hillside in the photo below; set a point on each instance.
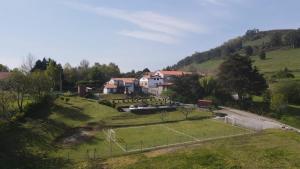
(281, 47)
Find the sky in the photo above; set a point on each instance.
(134, 34)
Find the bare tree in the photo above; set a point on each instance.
(186, 111)
(84, 64)
(28, 63)
(163, 115)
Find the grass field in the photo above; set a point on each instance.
(269, 149)
(136, 138)
(44, 136)
(276, 60)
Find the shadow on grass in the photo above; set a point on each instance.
(199, 118)
(73, 113)
(17, 144)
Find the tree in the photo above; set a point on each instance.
(238, 76)
(3, 68)
(169, 93)
(163, 115)
(278, 102)
(187, 88)
(84, 64)
(6, 98)
(209, 85)
(54, 72)
(186, 111)
(276, 39)
(40, 64)
(146, 70)
(285, 73)
(262, 55)
(248, 50)
(293, 39)
(289, 89)
(20, 85)
(28, 63)
(40, 84)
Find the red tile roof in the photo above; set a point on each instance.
(126, 80)
(4, 75)
(110, 86)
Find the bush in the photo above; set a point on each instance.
(290, 90)
(106, 103)
(67, 100)
(62, 98)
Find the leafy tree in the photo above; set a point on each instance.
(276, 39)
(54, 72)
(293, 39)
(285, 73)
(237, 75)
(289, 89)
(40, 84)
(262, 55)
(278, 102)
(40, 64)
(186, 111)
(248, 50)
(3, 68)
(187, 88)
(20, 85)
(6, 98)
(169, 93)
(146, 70)
(209, 85)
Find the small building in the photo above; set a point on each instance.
(110, 88)
(5, 75)
(81, 90)
(204, 103)
(121, 85)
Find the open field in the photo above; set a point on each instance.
(147, 137)
(71, 133)
(269, 149)
(275, 61)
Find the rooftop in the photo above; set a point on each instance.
(4, 75)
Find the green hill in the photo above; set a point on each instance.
(275, 60)
(281, 47)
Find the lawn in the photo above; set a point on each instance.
(275, 61)
(269, 149)
(135, 138)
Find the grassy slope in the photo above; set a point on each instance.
(270, 149)
(276, 60)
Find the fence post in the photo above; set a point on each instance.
(87, 153)
(141, 145)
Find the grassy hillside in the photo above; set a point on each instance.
(269, 149)
(275, 61)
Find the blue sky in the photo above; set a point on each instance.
(131, 33)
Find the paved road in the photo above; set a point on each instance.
(253, 121)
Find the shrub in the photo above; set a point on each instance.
(62, 98)
(106, 103)
(67, 100)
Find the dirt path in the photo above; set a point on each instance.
(251, 120)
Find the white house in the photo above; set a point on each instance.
(120, 85)
(159, 81)
(109, 88)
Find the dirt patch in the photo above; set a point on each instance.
(76, 136)
(120, 161)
